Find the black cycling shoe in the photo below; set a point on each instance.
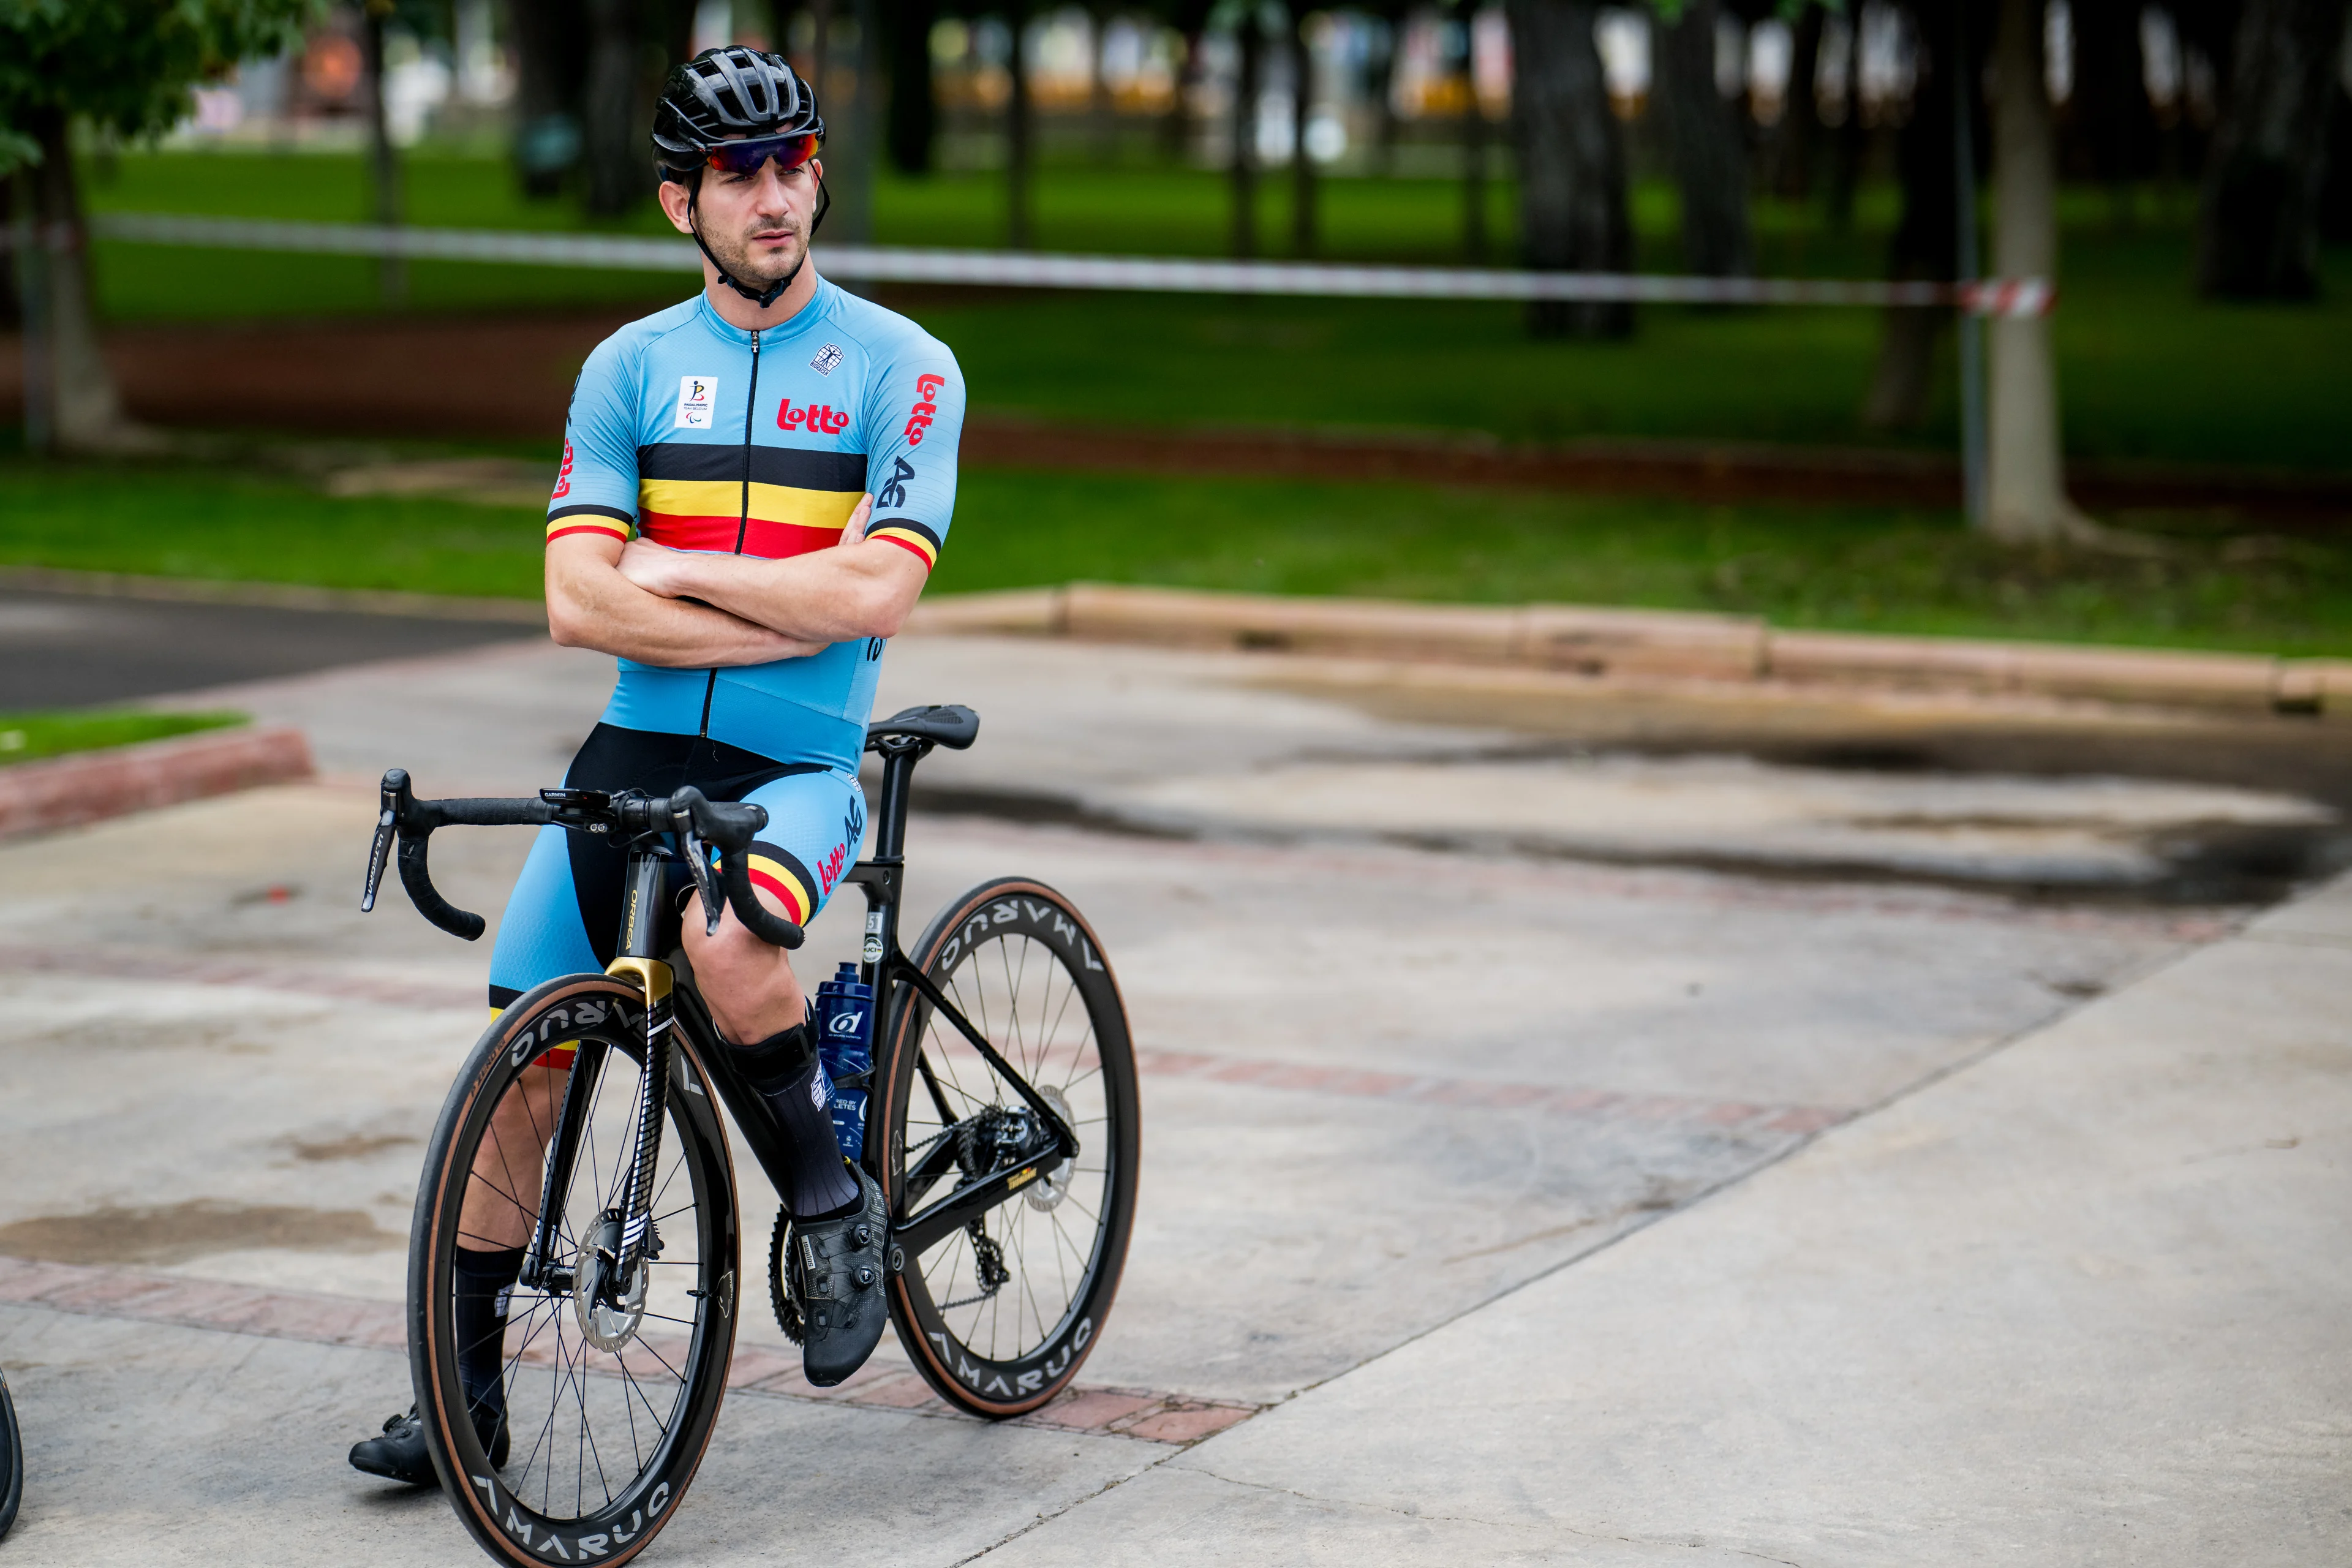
(838, 1265)
(399, 1455)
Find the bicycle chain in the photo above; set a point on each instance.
(988, 1263)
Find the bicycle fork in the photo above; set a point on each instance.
(624, 1238)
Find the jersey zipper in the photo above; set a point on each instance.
(744, 521)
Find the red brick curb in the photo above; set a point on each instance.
(1569, 639)
(89, 787)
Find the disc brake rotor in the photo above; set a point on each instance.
(1047, 1193)
(609, 1324)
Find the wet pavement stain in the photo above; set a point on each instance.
(356, 1146)
(178, 1232)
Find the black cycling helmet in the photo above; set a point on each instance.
(735, 95)
(725, 95)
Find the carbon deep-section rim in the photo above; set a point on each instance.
(603, 1442)
(999, 1321)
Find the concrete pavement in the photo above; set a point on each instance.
(1490, 1304)
(2082, 1302)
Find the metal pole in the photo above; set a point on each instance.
(1964, 167)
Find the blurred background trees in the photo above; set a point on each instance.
(1726, 138)
(123, 69)
(1556, 109)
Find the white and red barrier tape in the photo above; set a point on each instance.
(2016, 297)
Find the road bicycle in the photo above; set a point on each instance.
(11, 1458)
(1002, 1131)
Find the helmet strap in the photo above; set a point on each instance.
(763, 298)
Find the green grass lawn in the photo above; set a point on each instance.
(50, 732)
(2145, 371)
(1859, 568)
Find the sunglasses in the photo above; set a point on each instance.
(745, 157)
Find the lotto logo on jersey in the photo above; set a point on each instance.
(563, 475)
(697, 400)
(816, 418)
(925, 410)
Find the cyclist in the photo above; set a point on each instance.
(754, 488)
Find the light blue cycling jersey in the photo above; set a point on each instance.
(703, 435)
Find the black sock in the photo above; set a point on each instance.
(783, 1068)
(482, 1279)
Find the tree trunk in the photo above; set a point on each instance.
(1191, 20)
(1383, 88)
(550, 62)
(854, 125)
(914, 108)
(85, 410)
(1710, 163)
(1302, 105)
(1176, 129)
(1572, 213)
(2026, 495)
(619, 169)
(1925, 242)
(2111, 106)
(1473, 149)
(1846, 145)
(1102, 115)
(1247, 35)
(1019, 220)
(2257, 233)
(11, 285)
(384, 163)
(2336, 191)
(818, 72)
(1791, 171)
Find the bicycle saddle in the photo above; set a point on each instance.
(951, 725)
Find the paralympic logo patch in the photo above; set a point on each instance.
(698, 402)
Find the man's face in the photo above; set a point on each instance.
(757, 224)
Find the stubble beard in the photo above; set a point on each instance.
(760, 267)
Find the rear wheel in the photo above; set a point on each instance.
(1000, 1314)
(610, 1394)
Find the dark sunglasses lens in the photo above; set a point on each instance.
(745, 157)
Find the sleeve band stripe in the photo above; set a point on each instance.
(921, 549)
(905, 525)
(585, 510)
(619, 531)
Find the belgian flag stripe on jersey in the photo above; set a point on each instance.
(795, 467)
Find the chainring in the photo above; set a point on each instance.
(781, 1298)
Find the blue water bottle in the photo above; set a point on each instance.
(845, 1044)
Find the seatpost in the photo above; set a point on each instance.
(899, 760)
(878, 876)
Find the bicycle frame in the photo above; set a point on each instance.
(649, 941)
(897, 984)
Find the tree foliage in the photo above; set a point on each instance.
(127, 65)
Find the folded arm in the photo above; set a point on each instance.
(858, 588)
(590, 605)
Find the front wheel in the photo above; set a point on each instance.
(999, 1313)
(610, 1386)
(12, 1459)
